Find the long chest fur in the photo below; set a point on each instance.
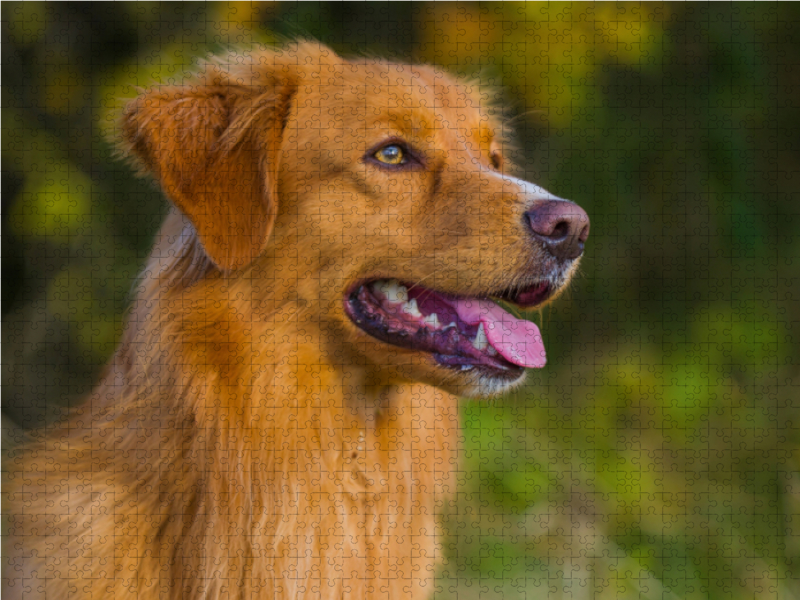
(300, 496)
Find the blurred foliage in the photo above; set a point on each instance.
(657, 456)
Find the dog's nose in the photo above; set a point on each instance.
(561, 225)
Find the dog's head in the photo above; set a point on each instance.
(375, 194)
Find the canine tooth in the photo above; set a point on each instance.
(411, 308)
(491, 351)
(432, 320)
(480, 342)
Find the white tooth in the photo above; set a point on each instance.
(391, 290)
(411, 308)
(491, 351)
(432, 320)
(382, 287)
(480, 342)
(395, 292)
(402, 294)
(466, 367)
(449, 326)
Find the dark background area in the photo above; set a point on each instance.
(657, 455)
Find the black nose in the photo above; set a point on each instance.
(561, 225)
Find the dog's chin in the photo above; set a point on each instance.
(468, 346)
(473, 384)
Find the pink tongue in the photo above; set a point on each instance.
(517, 340)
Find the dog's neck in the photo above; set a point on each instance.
(232, 355)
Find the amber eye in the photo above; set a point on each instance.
(497, 159)
(391, 155)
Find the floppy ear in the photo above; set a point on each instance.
(215, 151)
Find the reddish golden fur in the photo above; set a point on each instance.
(247, 440)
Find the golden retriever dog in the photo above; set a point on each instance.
(280, 419)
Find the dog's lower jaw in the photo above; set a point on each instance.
(415, 367)
(480, 386)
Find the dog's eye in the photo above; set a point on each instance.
(497, 159)
(391, 155)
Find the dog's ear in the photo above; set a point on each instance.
(215, 149)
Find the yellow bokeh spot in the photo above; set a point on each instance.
(54, 203)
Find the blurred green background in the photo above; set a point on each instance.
(657, 455)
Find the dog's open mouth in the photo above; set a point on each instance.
(460, 332)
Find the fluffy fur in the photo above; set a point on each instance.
(247, 440)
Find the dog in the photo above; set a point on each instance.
(280, 418)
